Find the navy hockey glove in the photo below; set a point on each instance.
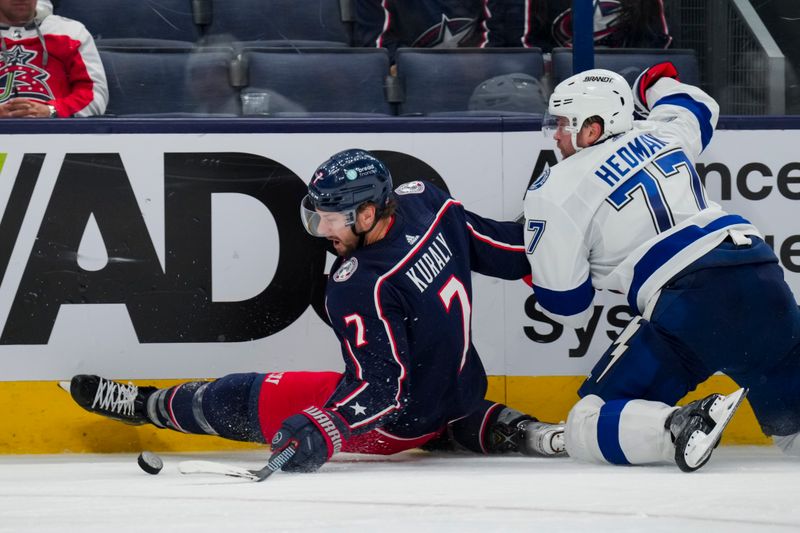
(315, 433)
(647, 79)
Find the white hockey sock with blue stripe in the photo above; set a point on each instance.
(619, 432)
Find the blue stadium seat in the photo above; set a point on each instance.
(630, 62)
(442, 81)
(301, 23)
(139, 19)
(319, 81)
(169, 81)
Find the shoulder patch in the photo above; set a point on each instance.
(538, 182)
(346, 270)
(412, 187)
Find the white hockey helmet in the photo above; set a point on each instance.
(596, 92)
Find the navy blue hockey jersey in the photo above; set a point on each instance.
(449, 23)
(401, 308)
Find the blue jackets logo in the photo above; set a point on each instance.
(412, 187)
(346, 270)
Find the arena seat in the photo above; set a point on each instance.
(170, 81)
(442, 81)
(319, 81)
(630, 62)
(297, 23)
(145, 20)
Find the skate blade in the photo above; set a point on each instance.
(701, 445)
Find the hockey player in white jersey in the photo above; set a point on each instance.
(626, 211)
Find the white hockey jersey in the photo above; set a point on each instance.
(629, 213)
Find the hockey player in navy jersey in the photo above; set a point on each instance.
(626, 211)
(399, 299)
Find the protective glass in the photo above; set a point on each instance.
(553, 123)
(324, 223)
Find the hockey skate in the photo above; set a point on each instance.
(527, 436)
(541, 439)
(697, 427)
(118, 401)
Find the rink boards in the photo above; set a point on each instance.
(149, 253)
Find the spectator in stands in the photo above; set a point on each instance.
(448, 23)
(393, 24)
(618, 24)
(505, 23)
(50, 65)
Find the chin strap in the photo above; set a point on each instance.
(363, 234)
(574, 136)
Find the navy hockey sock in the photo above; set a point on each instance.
(227, 407)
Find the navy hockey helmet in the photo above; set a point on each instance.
(339, 186)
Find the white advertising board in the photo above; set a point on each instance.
(103, 239)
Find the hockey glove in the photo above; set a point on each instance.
(647, 79)
(316, 435)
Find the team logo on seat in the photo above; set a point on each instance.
(412, 187)
(346, 270)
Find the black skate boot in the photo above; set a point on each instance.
(124, 402)
(526, 435)
(696, 428)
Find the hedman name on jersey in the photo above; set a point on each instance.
(628, 157)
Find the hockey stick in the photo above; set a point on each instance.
(274, 464)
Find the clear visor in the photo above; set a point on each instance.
(554, 123)
(324, 223)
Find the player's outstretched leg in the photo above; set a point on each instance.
(496, 428)
(225, 407)
(118, 401)
(697, 427)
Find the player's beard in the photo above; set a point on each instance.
(344, 247)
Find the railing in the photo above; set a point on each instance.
(741, 64)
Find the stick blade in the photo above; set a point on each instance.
(210, 467)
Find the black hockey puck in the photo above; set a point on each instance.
(150, 462)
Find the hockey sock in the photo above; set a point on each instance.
(227, 407)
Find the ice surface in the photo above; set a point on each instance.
(741, 489)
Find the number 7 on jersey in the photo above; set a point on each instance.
(537, 228)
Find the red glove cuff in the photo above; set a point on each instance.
(650, 76)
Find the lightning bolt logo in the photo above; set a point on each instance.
(621, 345)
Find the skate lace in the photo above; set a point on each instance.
(115, 397)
